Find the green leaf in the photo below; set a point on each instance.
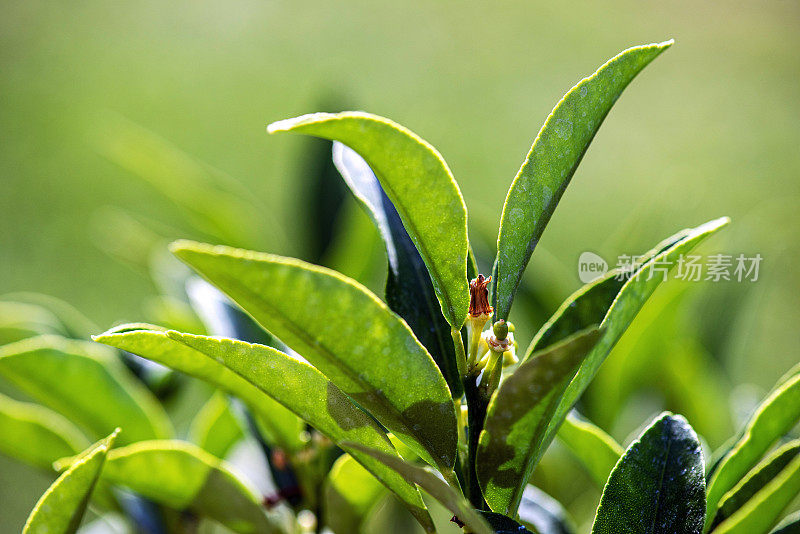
(776, 415)
(85, 383)
(76, 324)
(153, 343)
(511, 443)
(767, 470)
(20, 320)
(347, 333)
(350, 493)
(421, 187)
(658, 485)
(216, 428)
(256, 372)
(551, 162)
(182, 476)
(764, 509)
(36, 435)
(614, 305)
(61, 508)
(409, 289)
(542, 513)
(596, 450)
(790, 525)
(503, 525)
(434, 486)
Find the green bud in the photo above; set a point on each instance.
(500, 329)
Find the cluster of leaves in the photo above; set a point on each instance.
(352, 397)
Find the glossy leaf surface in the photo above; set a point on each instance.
(409, 290)
(435, 487)
(420, 186)
(551, 162)
(347, 333)
(36, 435)
(512, 441)
(596, 450)
(658, 486)
(87, 384)
(255, 373)
(61, 508)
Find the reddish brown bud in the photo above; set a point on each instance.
(479, 297)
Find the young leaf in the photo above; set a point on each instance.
(615, 309)
(775, 416)
(596, 450)
(85, 383)
(215, 428)
(433, 485)
(256, 372)
(421, 187)
(658, 486)
(551, 162)
(767, 470)
(764, 509)
(183, 476)
(36, 435)
(350, 493)
(347, 333)
(543, 514)
(409, 290)
(511, 442)
(61, 508)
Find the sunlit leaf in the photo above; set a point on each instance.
(216, 428)
(613, 304)
(551, 162)
(421, 187)
(409, 290)
(790, 525)
(347, 333)
(350, 493)
(60, 510)
(36, 435)
(182, 476)
(776, 415)
(761, 475)
(435, 487)
(596, 450)
(87, 384)
(512, 441)
(255, 373)
(658, 485)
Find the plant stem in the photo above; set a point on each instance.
(461, 356)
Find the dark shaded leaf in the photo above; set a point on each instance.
(409, 290)
(658, 486)
(542, 513)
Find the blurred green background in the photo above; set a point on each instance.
(711, 128)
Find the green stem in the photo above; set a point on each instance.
(461, 355)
